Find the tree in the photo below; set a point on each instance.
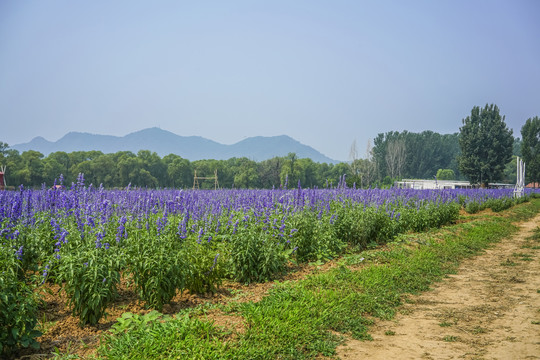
(33, 162)
(510, 173)
(291, 172)
(270, 171)
(395, 157)
(530, 148)
(245, 173)
(517, 147)
(486, 145)
(3, 150)
(179, 171)
(446, 174)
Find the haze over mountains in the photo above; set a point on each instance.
(165, 142)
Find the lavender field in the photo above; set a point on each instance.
(87, 239)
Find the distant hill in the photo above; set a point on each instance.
(165, 142)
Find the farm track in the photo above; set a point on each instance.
(489, 310)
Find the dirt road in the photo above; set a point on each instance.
(489, 310)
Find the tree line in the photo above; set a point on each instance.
(148, 169)
(483, 151)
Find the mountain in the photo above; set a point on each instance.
(164, 142)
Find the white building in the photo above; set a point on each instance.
(432, 184)
(420, 184)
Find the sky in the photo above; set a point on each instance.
(327, 73)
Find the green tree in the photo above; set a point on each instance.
(3, 151)
(14, 168)
(517, 147)
(104, 170)
(62, 159)
(155, 166)
(530, 148)
(179, 171)
(309, 172)
(245, 173)
(34, 169)
(291, 172)
(486, 145)
(270, 172)
(446, 174)
(51, 170)
(510, 173)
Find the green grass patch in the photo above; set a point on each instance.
(479, 330)
(524, 256)
(451, 338)
(299, 320)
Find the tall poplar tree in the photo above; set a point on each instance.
(486, 145)
(530, 148)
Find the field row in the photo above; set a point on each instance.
(165, 241)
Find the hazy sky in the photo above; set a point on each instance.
(323, 72)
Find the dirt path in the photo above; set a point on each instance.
(489, 310)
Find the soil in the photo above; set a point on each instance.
(490, 309)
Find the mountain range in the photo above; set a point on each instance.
(164, 142)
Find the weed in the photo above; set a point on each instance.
(523, 256)
(451, 338)
(508, 262)
(479, 330)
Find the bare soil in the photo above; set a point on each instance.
(489, 310)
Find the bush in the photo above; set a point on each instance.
(256, 256)
(18, 305)
(360, 226)
(313, 238)
(472, 207)
(205, 265)
(90, 277)
(157, 272)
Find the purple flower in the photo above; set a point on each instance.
(19, 253)
(46, 272)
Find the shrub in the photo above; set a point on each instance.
(18, 305)
(313, 238)
(91, 277)
(256, 256)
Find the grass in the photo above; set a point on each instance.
(523, 256)
(479, 330)
(508, 262)
(303, 319)
(450, 338)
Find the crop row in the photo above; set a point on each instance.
(86, 239)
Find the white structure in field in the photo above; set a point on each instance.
(420, 184)
(520, 182)
(435, 184)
